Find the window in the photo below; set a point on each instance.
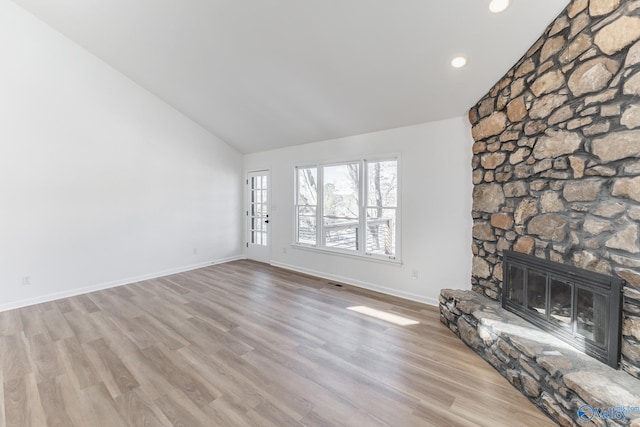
(349, 207)
(306, 205)
(341, 207)
(382, 207)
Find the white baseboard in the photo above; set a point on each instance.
(98, 287)
(360, 284)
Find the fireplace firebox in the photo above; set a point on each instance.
(580, 307)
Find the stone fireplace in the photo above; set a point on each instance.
(556, 175)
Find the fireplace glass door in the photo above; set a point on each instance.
(578, 306)
(592, 316)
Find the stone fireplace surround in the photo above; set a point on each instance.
(556, 174)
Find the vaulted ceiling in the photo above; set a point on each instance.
(262, 74)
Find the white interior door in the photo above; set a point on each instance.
(258, 197)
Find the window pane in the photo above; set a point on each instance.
(307, 186)
(381, 231)
(382, 181)
(306, 201)
(341, 205)
(307, 225)
(341, 236)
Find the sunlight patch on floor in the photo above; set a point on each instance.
(383, 315)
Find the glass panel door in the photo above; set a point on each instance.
(258, 216)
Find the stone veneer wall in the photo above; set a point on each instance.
(556, 165)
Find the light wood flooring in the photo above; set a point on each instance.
(243, 344)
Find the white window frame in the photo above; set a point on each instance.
(362, 209)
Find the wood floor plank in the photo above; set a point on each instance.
(284, 397)
(243, 344)
(110, 332)
(138, 410)
(383, 402)
(210, 368)
(134, 330)
(269, 414)
(32, 321)
(168, 337)
(44, 357)
(15, 402)
(150, 378)
(83, 328)
(101, 408)
(434, 414)
(83, 303)
(465, 407)
(64, 305)
(282, 368)
(14, 356)
(108, 303)
(22, 403)
(212, 315)
(77, 365)
(3, 413)
(113, 372)
(180, 376)
(10, 322)
(218, 338)
(78, 412)
(54, 404)
(315, 419)
(225, 411)
(180, 410)
(56, 324)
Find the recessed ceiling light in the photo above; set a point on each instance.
(458, 62)
(497, 6)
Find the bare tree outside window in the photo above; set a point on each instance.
(382, 195)
(307, 204)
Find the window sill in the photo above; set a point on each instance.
(336, 252)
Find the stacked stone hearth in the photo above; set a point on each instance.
(553, 375)
(556, 160)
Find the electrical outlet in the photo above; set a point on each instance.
(414, 274)
(284, 250)
(195, 251)
(26, 281)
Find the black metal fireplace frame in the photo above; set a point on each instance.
(577, 278)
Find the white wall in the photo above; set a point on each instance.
(101, 183)
(436, 208)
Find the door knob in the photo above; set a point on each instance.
(266, 221)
